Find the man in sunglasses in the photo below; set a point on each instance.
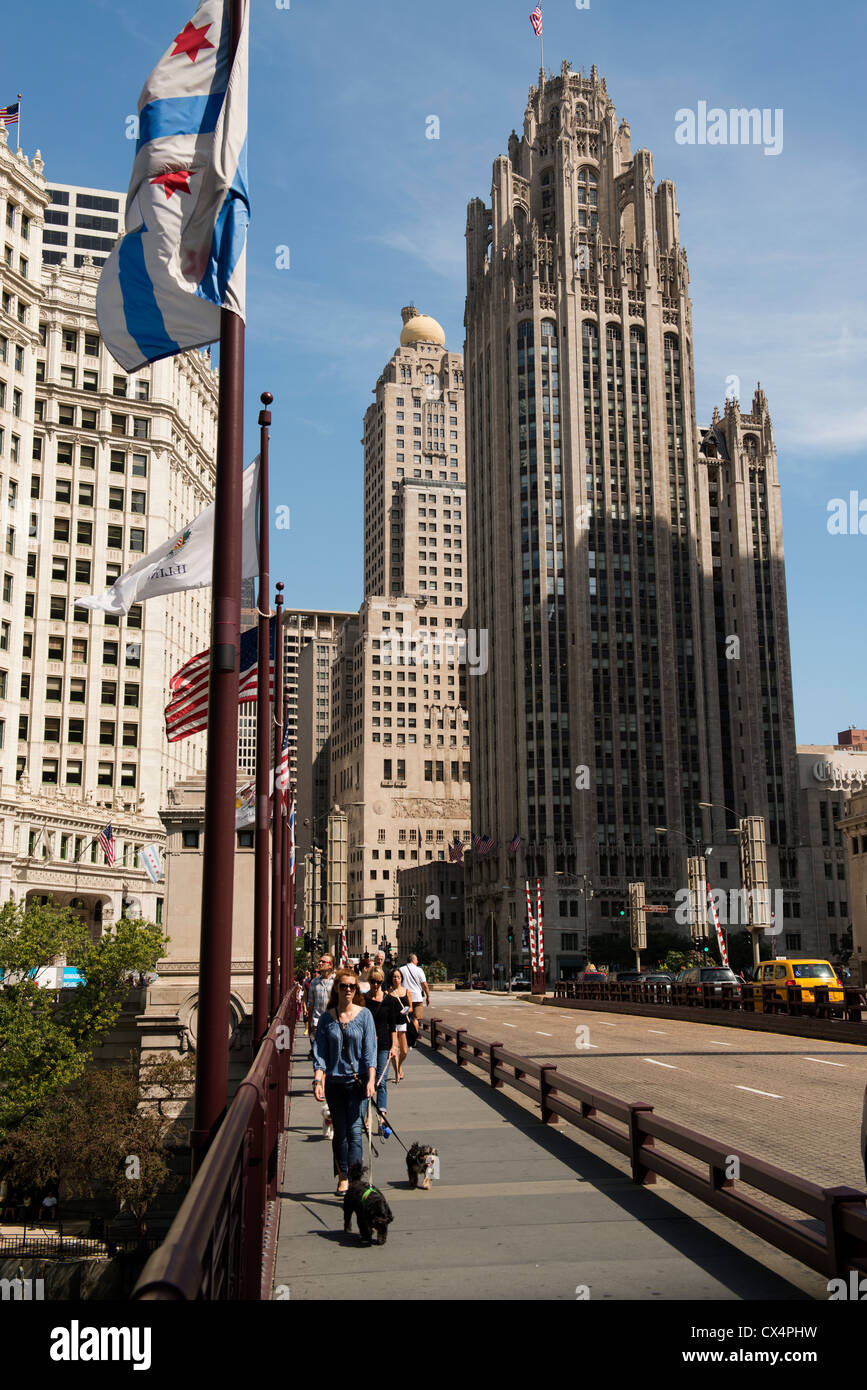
(318, 996)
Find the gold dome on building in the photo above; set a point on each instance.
(419, 328)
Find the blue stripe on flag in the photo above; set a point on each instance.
(230, 233)
(196, 115)
(144, 321)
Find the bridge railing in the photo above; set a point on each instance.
(660, 1147)
(221, 1243)
(746, 996)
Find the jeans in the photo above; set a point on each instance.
(344, 1102)
(382, 1064)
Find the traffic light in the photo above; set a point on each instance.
(621, 912)
(511, 936)
(525, 938)
(308, 941)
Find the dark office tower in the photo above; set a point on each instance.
(595, 548)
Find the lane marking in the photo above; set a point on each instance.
(718, 1043)
(544, 1035)
(510, 1025)
(659, 1031)
(823, 1063)
(770, 1094)
(654, 1063)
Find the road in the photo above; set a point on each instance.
(796, 1104)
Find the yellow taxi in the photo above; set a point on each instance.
(789, 972)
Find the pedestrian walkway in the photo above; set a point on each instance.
(521, 1211)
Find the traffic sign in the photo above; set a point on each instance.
(654, 907)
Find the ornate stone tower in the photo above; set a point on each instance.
(594, 541)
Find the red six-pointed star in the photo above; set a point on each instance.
(178, 181)
(191, 41)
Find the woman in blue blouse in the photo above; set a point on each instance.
(344, 1060)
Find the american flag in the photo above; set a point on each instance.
(536, 21)
(292, 839)
(106, 840)
(456, 851)
(281, 779)
(515, 844)
(187, 711)
(482, 844)
(9, 114)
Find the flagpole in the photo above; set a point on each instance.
(218, 868)
(276, 828)
(18, 136)
(263, 742)
(285, 979)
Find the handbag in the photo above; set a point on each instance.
(411, 1031)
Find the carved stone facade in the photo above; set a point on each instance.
(626, 563)
(96, 468)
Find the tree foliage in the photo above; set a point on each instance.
(113, 1131)
(47, 1037)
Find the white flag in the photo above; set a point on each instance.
(186, 561)
(183, 256)
(149, 857)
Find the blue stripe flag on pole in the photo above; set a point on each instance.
(182, 259)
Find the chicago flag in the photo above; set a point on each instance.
(183, 256)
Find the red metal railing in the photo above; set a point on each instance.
(221, 1243)
(638, 1132)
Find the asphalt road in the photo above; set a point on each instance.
(796, 1104)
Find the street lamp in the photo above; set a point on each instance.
(586, 891)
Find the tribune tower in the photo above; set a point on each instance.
(626, 563)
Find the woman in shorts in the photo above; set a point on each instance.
(399, 991)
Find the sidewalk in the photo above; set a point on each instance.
(521, 1211)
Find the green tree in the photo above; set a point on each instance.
(436, 971)
(46, 1039)
(112, 1132)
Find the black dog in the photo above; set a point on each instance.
(419, 1165)
(368, 1204)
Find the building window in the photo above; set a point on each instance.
(54, 687)
(105, 774)
(49, 771)
(190, 839)
(73, 777)
(127, 774)
(108, 694)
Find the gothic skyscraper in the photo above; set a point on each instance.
(626, 564)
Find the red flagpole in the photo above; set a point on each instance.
(276, 827)
(285, 977)
(263, 745)
(218, 868)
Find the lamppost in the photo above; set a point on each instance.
(696, 869)
(586, 891)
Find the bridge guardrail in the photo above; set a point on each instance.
(220, 1243)
(726, 996)
(637, 1132)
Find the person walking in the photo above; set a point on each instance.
(399, 992)
(386, 1013)
(364, 968)
(344, 1061)
(318, 995)
(416, 982)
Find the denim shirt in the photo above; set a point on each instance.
(360, 1047)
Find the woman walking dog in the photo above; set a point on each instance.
(344, 1060)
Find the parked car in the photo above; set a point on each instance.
(787, 973)
(627, 977)
(592, 977)
(713, 976)
(521, 982)
(657, 980)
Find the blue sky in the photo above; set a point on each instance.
(374, 213)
